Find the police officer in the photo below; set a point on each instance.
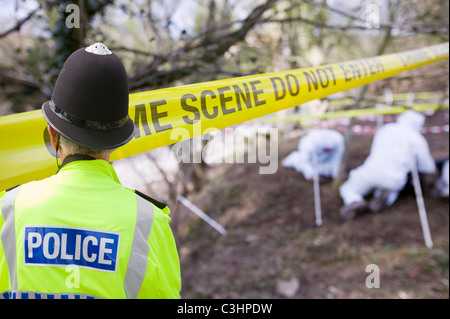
(80, 233)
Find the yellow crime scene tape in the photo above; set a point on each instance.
(166, 116)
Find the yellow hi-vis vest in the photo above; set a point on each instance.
(81, 234)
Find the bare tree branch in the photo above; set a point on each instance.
(207, 50)
(387, 25)
(19, 23)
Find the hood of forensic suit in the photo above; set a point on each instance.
(412, 119)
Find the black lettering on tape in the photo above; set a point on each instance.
(190, 108)
(401, 57)
(290, 87)
(203, 103)
(319, 76)
(158, 115)
(372, 67)
(245, 96)
(257, 92)
(416, 56)
(140, 116)
(276, 90)
(346, 71)
(311, 78)
(356, 72)
(379, 65)
(364, 67)
(225, 99)
(437, 50)
(330, 69)
(323, 83)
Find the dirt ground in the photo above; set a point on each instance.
(273, 248)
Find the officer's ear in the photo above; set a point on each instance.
(53, 136)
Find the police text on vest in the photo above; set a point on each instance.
(62, 246)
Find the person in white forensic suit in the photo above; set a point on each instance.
(329, 147)
(385, 171)
(441, 186)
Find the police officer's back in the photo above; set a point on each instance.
(80, 233)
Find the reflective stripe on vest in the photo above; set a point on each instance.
(8, 235)
(137, 265)
(136, 268)
(41, 295)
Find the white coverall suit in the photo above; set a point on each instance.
(328, 144)
(444, 178)
(394, 147)
(441, 187)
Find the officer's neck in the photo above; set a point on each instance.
(103, 156)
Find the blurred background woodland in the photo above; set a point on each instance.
(169, 43)
(273, 249)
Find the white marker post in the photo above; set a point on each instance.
(317, 207)
(421, 204)
(201, 214)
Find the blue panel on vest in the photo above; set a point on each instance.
(63, 246)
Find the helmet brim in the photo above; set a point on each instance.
(96, 139)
